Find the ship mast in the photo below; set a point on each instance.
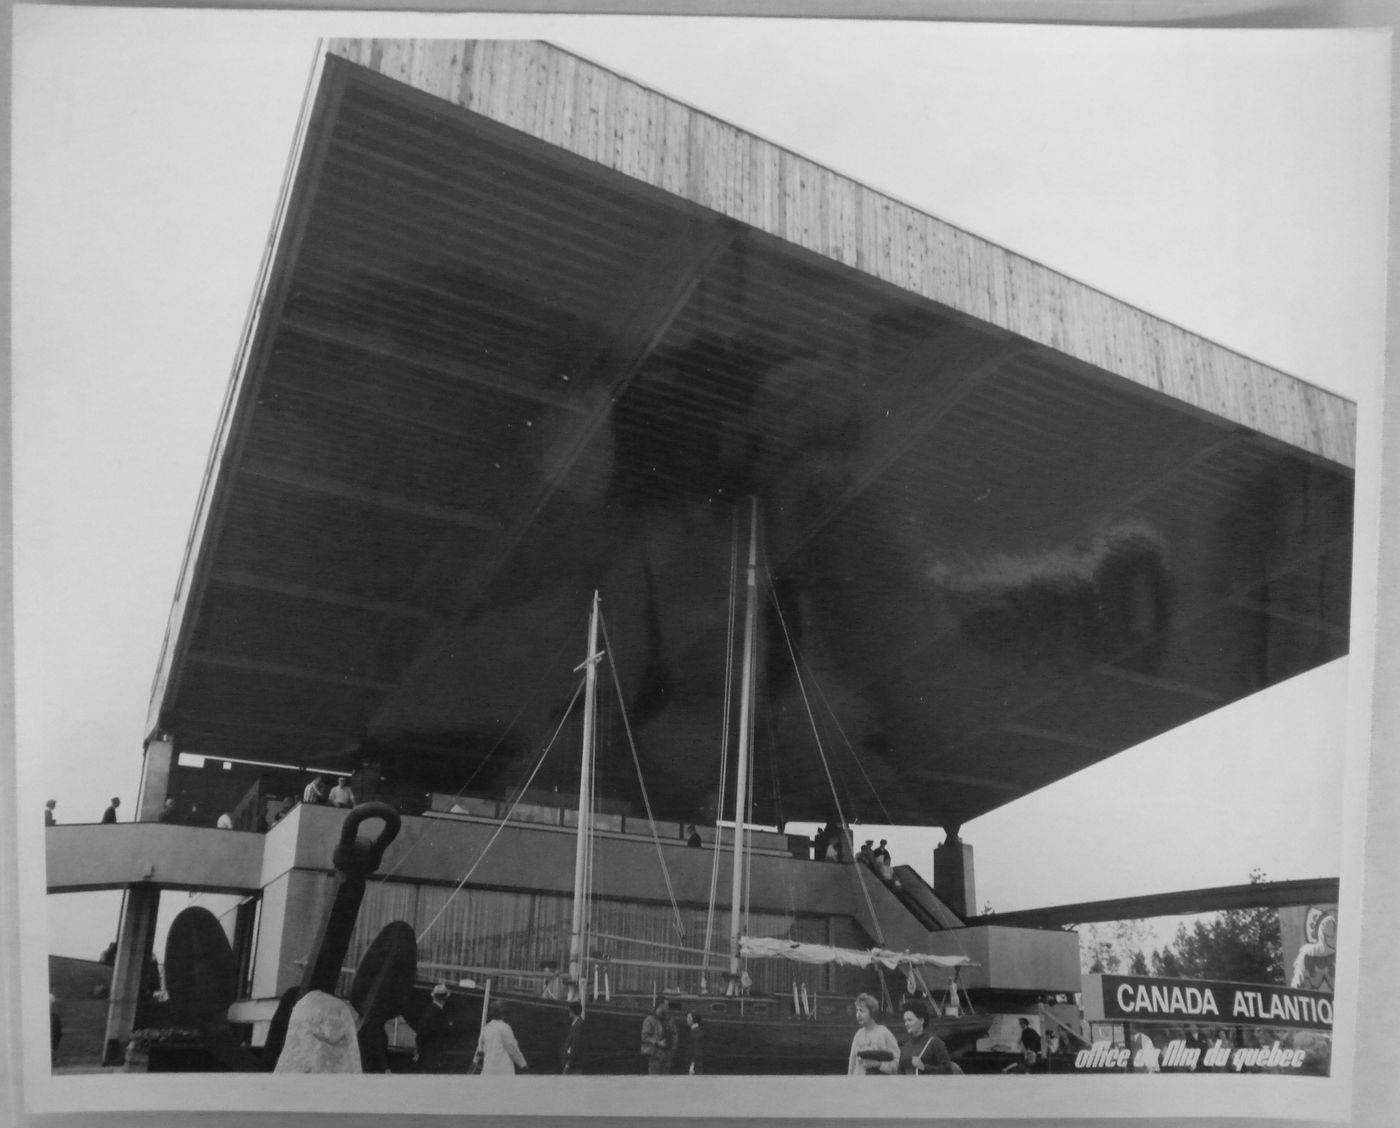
(741, 782)
(583, 848)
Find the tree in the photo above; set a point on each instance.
(1138, 966)
(1244, 945)
(1109, 946)
(1165, 964)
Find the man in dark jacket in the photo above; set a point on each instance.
(571, 1052)
(432, 1032)
(1030, 1043)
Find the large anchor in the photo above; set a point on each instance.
(202, 970)
(383, 982)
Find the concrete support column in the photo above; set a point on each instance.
(155, 779)
(244, 936)
(952, 876)
(134, 938)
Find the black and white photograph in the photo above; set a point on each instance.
(660, 566)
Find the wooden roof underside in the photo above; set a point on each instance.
(1013, 526)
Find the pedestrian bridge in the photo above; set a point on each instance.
(117, 856)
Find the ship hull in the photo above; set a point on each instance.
(741, 1035)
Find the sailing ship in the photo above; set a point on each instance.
(745, 1031)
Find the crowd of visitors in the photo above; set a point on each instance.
(341, 795)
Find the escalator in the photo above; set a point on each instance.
(917, 895)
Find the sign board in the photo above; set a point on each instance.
(1140, 998)
(1309, 934)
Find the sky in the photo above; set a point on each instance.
(1233, 183)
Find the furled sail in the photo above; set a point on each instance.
(767, 947)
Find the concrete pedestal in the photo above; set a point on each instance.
(952, 877)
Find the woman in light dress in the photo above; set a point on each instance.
(873, 1049)
(497, 1048)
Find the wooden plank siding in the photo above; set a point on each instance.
(494, 928)
(587, 110)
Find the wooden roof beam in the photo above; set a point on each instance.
(1072, 740)
(210, 723)
(285, 475)
(1311, 622)
(473, 291)
(251, 581)
(395, 352)
(1115, 496)
(1166, 685)
(287, 670)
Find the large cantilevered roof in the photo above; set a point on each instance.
(528, 329)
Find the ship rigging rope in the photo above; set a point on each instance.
(539, 684)
(780, 817)
(851, 749)
(402, 859)
(724, 727)
(506, 817)
(641, 783)
(782, 821)
(798, 665)
(821, 752)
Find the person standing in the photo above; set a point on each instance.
(432, 1032)
(657, 1043)
(692, 838)
(882, 851)
(694, 1044)
(553, 987)
(921, 1050)
(341, 795)
(1223, 1046)
(49, 820)
(496, 1048)
(315, 791)
(570, 1053)
(1030, 1043)
(110, 814)
(1146, 1058)
(1196, 1044)
(873, 1049)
